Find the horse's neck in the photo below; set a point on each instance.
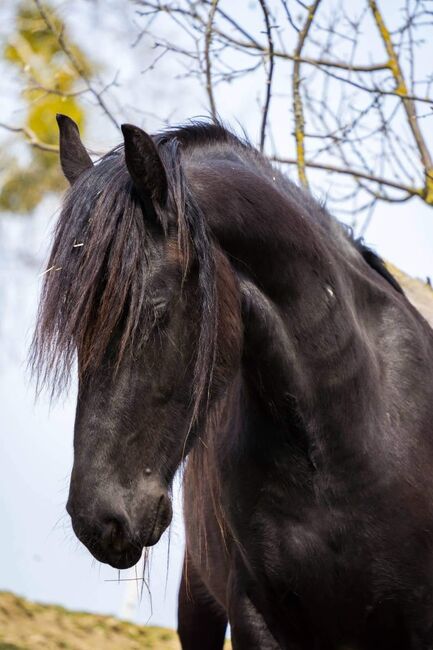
(310, 351)
(306, 350)
(311, 373)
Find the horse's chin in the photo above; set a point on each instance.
(117, 560)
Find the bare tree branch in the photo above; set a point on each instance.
(355, 173)
(409, 106)
(297, 100)
(253, 44)
(270, 56)
(31, 138)
(208, 64)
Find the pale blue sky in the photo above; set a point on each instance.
(39, 556)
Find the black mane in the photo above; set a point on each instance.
(376, 263)
(206, 134)
(199, 133)
(98, 268)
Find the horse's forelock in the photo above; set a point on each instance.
(98, 266)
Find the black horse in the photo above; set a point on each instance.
(217, 310)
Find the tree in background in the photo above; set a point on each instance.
(353, 91)
(356, 93)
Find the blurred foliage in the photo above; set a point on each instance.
(50, 84)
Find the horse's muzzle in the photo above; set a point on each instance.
(117, 537)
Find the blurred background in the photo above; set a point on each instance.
(337, 93)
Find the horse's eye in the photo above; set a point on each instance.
(159, 306)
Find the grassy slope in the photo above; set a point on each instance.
(28, 626)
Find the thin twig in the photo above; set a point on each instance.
(270, 74)
(297, 99)
(31, 137)
(356, 173)
(208, 63)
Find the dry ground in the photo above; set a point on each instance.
(29, 626)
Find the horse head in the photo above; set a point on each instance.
(136, 300)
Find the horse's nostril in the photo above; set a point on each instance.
(115, 535)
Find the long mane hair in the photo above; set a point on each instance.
(99, 263)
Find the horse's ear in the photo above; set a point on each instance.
(74, 158)
(144, 164)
